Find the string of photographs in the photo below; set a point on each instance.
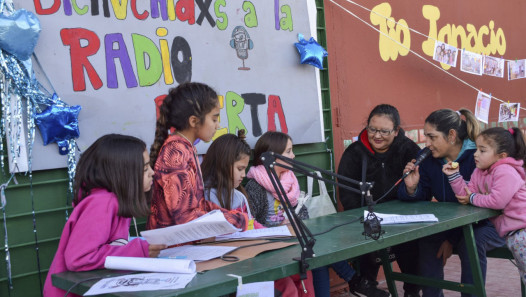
(476, 63)
(470, 63)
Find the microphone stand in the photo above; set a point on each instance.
(303, 234)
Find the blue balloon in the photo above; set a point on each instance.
(58, 123)
(19, 33)
(310, 52)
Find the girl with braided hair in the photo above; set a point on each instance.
(192, 109)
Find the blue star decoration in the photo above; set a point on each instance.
(59, 123)
(310, 52)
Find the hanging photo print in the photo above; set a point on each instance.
(493, 66)
(509, 112)
(445, 53)
(471, 62)
(482, 107)
(516, 69)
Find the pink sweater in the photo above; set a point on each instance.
(501, 186)
(84, 243)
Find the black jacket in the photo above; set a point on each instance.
(383, 169)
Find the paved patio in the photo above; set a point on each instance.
(502, 279)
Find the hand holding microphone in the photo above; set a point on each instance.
(411, 181)
(424, 154)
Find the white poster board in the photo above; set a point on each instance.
(114, 58)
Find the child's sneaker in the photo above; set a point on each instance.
(363, 287)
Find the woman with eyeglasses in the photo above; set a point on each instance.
(379, 155)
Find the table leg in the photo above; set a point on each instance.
(471, 247)
(388, 271)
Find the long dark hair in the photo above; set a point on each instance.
(186, 100)
(509, 141)
(386, 110)
(114, 162)
(270, 141)
(446, 119)
(218, 165)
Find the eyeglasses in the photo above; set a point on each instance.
(373, 131)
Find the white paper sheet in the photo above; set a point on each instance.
(259, 289)
(256, 233)
(196, 252)
(389, 219)
(210, 225)
(140, 282)
(150, 264)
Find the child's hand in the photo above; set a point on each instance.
(450, 168)
(155, 249)
(464, 199)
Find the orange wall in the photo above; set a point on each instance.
(360, 78)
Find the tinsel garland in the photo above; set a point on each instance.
(19, 89)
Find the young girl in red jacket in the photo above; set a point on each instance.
(111, 180)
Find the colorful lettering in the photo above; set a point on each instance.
(95, 7)
(473, 42)
(119, 8)
(274, 107)
(389, 49)
(154, 8)
(136, 14)
(183, 67)
(234, 106)
(286, 22)
(253, 100)
(165, 56)
(143, 47)
(185, 11)
(79, 56)
(45, 11)
(251, 19)
(223, 23)
(204, 6)
(67, 7)
(122, 54)
(78, 10)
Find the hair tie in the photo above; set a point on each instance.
(241, 134)
(511, 131)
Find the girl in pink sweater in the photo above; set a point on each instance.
(112, 177)
(498, 183)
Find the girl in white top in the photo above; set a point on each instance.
(224, 167)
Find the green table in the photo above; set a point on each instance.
(339, 244)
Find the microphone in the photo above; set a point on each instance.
(425, 153)
(371, 223)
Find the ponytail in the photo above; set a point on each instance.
(446, 119)
(161, 130)
(471, 122)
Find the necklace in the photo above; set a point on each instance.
(181, 134)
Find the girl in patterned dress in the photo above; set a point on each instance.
(192, 109)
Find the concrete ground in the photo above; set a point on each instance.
(502, 280)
